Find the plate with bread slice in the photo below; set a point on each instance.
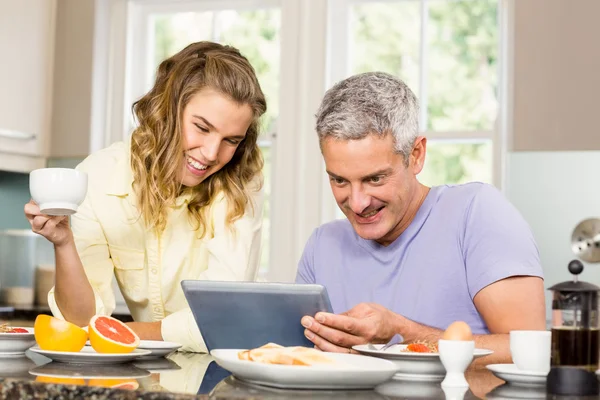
(300, 367)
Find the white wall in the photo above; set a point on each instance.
(556, 80)
(71, 106)
(555, 191)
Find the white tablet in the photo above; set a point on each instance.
(245, 315)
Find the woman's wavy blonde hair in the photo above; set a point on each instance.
(156, 145)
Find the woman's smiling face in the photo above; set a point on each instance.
(213, 126)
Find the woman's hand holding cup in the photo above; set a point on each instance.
(54, 228)
(56, 193)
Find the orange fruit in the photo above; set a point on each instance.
(127, 385)
(109, 335)
(131, 384)
(54, 334)
(63, 381)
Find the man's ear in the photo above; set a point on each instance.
(417, 156)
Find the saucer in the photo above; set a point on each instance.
(511, 374)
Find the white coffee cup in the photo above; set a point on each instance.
(58, 191)
(530, 350)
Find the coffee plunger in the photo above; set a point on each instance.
(575, 337)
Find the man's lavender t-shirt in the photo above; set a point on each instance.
(462, 239)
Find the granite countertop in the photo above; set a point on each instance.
(196, 376)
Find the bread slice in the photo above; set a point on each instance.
(245, 354)
(308, 356)
(272, 353)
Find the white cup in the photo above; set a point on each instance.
(530, 350)
(58, 191)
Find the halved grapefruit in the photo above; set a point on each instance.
(130, 384)
(63, 381)
(109, 335)
(55, 334)
(127, 385)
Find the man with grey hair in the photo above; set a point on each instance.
(409, 260)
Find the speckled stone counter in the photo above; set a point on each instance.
(196, 376)
(23, 389)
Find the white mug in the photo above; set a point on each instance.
(530, 350)
(58, 191)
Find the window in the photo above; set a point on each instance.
(447, 51)
(254, 29)
(450, 52)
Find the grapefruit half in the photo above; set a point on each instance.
(55, 334)
(109, 335)
(130, 384)
(63, 381)
(127, 386)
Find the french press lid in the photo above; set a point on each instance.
(575, 268)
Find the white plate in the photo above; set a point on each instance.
(511, 374)
(233, 388)
(410, 389)
(414, 366)
(158, 348)
(17, 367)
(15, 344)
(88, 355)
(64, 370)
(354, 372)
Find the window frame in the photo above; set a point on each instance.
(301, 198)
(296, 188)
(339, 68)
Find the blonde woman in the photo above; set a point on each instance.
(180, 200)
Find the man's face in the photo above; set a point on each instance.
(372, 185)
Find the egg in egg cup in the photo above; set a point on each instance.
(456, 349)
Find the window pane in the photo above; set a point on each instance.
(172, 32)
(450, 163)
(385, 37)
(462, 65)
(256, 34)
(460, 62)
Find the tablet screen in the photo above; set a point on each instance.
(245, 315)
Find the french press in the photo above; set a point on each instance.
(575, 337)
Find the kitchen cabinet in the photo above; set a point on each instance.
(27, 36)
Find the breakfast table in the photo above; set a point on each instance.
(183, 375)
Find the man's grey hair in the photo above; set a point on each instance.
(370, 103)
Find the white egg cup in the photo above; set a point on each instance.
(455, 393)
(58, 191)
(456, 356)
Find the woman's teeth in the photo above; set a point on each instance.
(196, 164)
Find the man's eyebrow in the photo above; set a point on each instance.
(385, 171)
(331, 174)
